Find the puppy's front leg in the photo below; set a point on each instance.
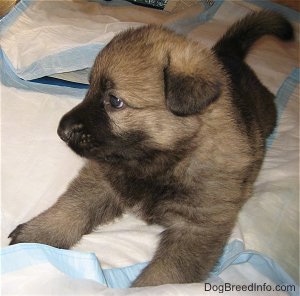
(88, 202)
(185, 254)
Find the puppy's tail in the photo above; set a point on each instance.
(241, 35)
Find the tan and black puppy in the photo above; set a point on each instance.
(172, 132)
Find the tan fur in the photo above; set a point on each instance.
(183, 151)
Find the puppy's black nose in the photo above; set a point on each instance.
(68, 128)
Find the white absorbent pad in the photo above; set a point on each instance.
(45, 38)
(37, 166)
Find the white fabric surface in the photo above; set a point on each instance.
(44, 30)
(37, 166)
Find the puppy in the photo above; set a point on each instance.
(173, 133)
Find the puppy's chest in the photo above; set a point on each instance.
(144, 196)
(135, 190)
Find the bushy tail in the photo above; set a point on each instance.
(242, 34)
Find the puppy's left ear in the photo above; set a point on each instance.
(189, 92)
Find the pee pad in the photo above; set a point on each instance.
(64, 33)
(41, 39)
(37, 166)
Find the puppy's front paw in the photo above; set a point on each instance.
(40, 230)
(147, 281)
(30, 232)
(143, 282)
(154, 275)
(17, 236)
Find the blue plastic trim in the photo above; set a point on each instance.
(202, 17)
(10, 79)
(73, 59)
(60, 82)
(12, 16)
(282, 98)
(82, 265)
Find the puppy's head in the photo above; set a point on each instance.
(147, 89)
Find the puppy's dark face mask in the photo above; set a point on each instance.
(87, 129)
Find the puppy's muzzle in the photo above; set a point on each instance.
(73, 133)
(68, 129)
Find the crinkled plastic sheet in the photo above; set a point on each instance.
(114, 254)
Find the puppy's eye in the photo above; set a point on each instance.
(116, 102)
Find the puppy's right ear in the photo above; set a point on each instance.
(189, 89)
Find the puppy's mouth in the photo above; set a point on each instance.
(113, 149)
(77, 139)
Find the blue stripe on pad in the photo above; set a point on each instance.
(282, 98)
(82, 265)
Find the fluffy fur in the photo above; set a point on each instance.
(172, 132)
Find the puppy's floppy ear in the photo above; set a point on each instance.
(189, 92)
